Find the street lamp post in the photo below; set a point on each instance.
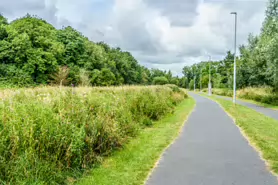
(194, 83)
(201, 80)
(234, 98)
(209, 86)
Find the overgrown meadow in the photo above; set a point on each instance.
(48, 134)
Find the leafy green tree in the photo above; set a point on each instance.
(74, 45)
(32, 49)
(183, 82)
(3, 24)
(191, 84)
(174, 80)
(3, 20)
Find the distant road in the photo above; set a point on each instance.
(210, 151)
(266, 111)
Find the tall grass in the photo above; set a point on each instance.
(263, 95)
(259, 94)
(47, 134)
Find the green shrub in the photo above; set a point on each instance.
(49, 134)
(160, 80)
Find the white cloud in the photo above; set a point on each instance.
(160, 33)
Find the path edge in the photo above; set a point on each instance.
(247, 138)
(168, 146)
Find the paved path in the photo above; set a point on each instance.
(266, 111)
(210, 151)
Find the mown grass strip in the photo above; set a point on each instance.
(260, 130)
(132, 164)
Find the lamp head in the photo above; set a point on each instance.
(233, 13)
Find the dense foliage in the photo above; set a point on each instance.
(33, 52)
(49, 134)
(257, 64)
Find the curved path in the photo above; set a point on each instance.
(266, 111)
(210, 151)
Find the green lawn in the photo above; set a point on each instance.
(135, 161)
(262, 131)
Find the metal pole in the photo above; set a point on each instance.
(276, 78)
(194, 82)
(234, 98)
(209, 91)
(201, 81)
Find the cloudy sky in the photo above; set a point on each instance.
(165, 34)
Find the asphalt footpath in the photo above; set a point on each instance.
(210, 151)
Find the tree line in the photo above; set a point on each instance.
(257, 64)
(33, 52)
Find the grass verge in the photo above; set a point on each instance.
(260, 130)
(254, 102)
(133, 163)
(263, 96)
(274, 107)
(260, 104)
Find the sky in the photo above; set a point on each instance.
(164, 34)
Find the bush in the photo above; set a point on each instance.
(161, 80)
(48, 134)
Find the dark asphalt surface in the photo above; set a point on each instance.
(210, 151)
(266, 111)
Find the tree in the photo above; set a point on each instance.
(191, 85)
(33, 49)
(3, 20)
(74, 44)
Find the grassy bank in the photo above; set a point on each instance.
(261, 130)
(49, 135)
(133, 164)
(262, 96)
